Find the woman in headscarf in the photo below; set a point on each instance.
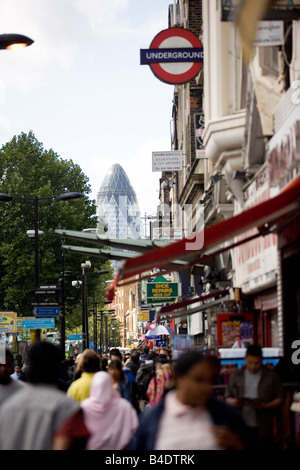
(110, 419)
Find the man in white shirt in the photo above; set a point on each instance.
(30, 418)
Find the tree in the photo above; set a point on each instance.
(28, 170)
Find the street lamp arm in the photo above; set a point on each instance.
(61, 197)
(5, 197)
(14, 41)
(69, 196)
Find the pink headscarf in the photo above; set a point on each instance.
(110, 419)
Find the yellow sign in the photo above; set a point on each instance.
(8, 322)
(43, 335)
(144, 316)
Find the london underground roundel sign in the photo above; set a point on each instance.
(175, 55)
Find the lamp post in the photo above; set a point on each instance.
(85, 331)
(94, 310)
(84, 284)
(63, 304)
(35, 200)
(101, 331)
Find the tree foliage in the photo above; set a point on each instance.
(27, 170)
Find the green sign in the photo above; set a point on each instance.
(160, 291)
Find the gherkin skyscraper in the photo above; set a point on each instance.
(117, 206)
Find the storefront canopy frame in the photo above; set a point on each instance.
(130, 249)
(263, 217)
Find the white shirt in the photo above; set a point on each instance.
(6, 391)
(185, 428)
(30, 418)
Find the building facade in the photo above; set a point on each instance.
(237, 125)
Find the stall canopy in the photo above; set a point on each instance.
(264, 218)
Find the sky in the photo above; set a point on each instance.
(81, 89)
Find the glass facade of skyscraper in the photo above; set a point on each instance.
(117, 206)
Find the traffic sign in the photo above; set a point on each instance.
(45, 304)
(74, 337)
(52, 287)
(46, 311)
(175, 55)
(38, 324)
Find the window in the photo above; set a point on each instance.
(269, 60)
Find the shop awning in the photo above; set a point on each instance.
(265, 217)
(200, 303)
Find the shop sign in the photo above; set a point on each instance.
(284, 155)
(167, 161)
(8, 322)
(195, 321)
(161, 292)
(166, 233)
(232, 327)
(181, 344)
(269, 33)
(199, 131)
(175, 55)
(283, 10)
(144, 316)
(255, 262)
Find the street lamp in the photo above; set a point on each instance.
(35, 200)
(14, 41)
(84, 283)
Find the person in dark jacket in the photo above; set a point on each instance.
(256, 390)
(143, 377)
(189, 417)
(134, 362)
(118, 376)
(145, 354)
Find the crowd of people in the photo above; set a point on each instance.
(143, 401)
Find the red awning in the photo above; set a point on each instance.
(264, 217)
